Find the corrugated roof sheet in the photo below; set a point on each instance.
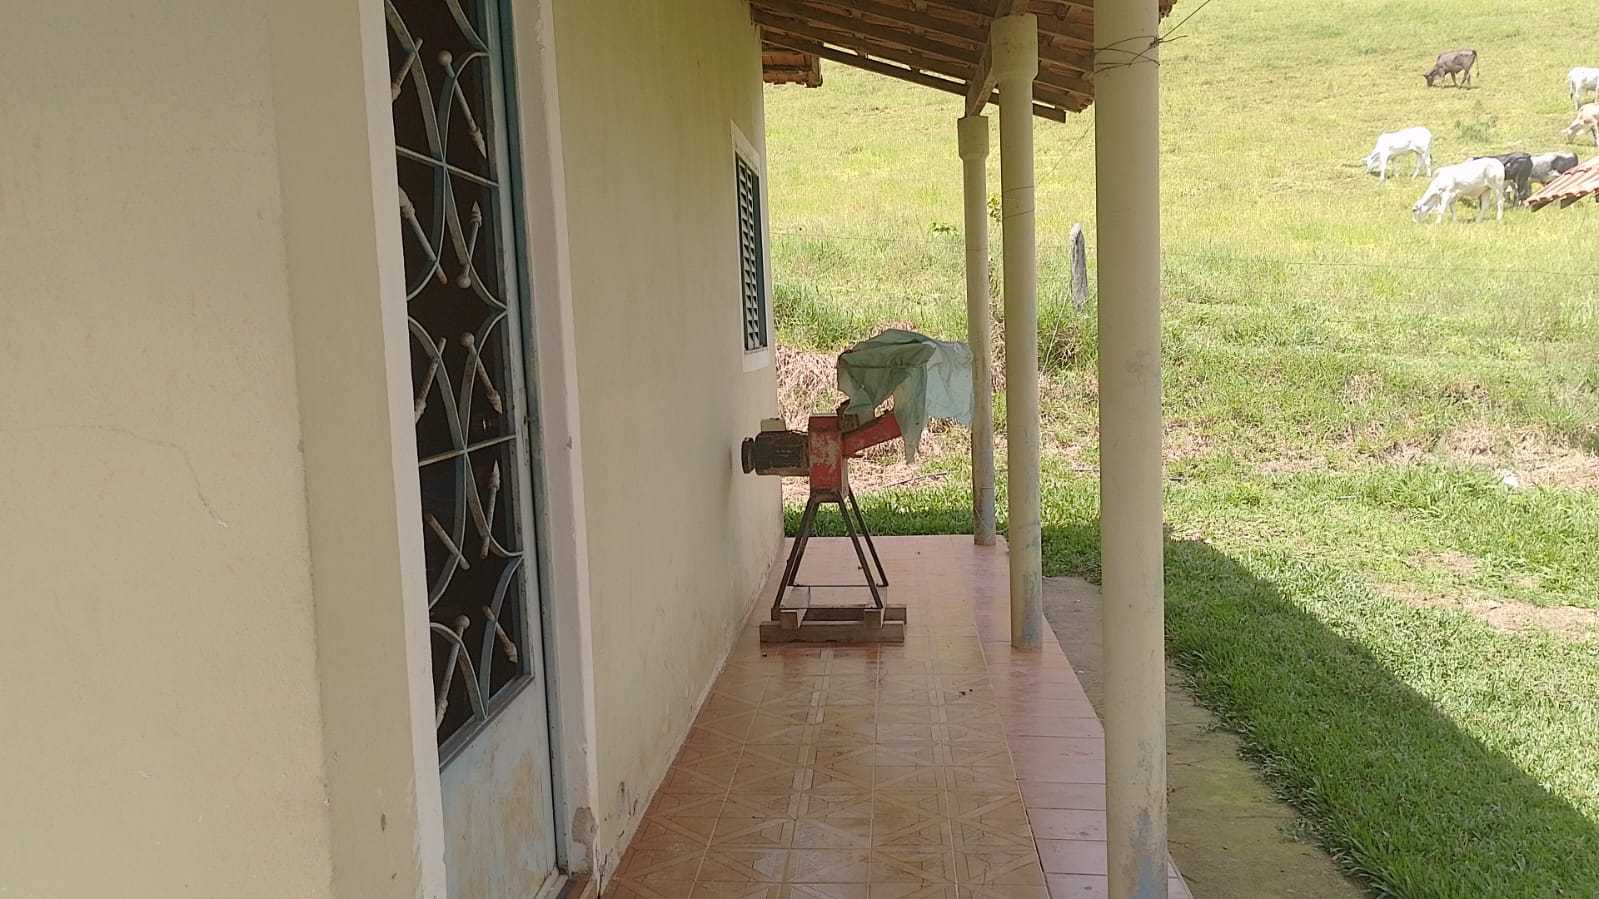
(1569, 186)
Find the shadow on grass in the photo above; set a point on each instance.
(1404, 798)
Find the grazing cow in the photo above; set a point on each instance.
(1416, 140)
(1582, 79)
(1474, 178)
(1545, 166)
(1518, 172)
(1587, 120)
(1452, 63)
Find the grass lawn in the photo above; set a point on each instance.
(1409, 644)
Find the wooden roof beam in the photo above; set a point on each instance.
(805, 17)
(916, 76)
(985, 7)
(774, 25)
(946, 28)
(1057, 36)
(1064, 82)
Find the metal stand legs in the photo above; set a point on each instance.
(855, 526)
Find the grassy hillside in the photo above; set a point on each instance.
(1409, 643)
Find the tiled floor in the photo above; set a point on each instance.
(948, 767)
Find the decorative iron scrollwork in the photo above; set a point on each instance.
(465, 360)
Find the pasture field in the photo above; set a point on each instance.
(1382, 437)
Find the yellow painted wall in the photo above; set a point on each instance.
(159, 715)
(679, 538)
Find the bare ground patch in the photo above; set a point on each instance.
(1524, 457)
(1506, 616)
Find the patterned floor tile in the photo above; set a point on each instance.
(916, 771)
(911, 832)
(892, 779)
(844, 776)
(744, 865)
(686, 805)
(663, 865)
(626, 888)
(842, 831)
(674, 833)
(912, 891)
(752, 833)
(816, 866)
(834, 806)
(706, 889)
(692, 781)
(999, 867)
(1008, 891)
(828, 891)
(981, 778)
(915, 866)
(907, 754)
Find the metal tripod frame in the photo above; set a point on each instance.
(854, 526)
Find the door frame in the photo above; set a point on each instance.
(550, 393)
(532, 96)
(344, 269)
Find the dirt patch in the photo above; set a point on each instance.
(1507, 616)
(1525, 457)
(1457, 562)
(1229, 837)
(1517, 617)
(1184, 443)
(807, 383)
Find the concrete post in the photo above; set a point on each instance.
(1127, 144)
(973, 134)
(1014, 51)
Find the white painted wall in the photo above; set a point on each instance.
(678, 537)
(160, 718)
(201, 341)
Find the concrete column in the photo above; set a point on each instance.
(973, 134)
(1127, 143)
(1014, 50)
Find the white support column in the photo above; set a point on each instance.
(1127, 144)
(1013, 46)
(973, 133)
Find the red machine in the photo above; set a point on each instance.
(822, 453)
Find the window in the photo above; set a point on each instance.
(452, 152)
(752, 255)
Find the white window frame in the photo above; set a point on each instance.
(756, 359)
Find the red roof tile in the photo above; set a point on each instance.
(1568, 187)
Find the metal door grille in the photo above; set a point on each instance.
(751, 260)
(465, 352)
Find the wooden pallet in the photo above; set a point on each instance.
(799, 621)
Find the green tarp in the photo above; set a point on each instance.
(927, 378)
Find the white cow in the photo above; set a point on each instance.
(1416, 140)
(1582, 79)
(1475, 178)
(1587, 120)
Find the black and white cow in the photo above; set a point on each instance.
(1545, 166)
(1518, 174)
